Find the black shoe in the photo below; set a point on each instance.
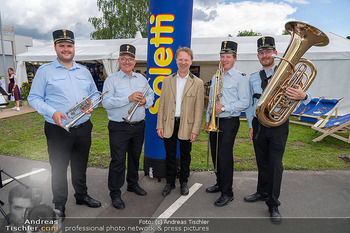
(275, 215)
(60, 210)
(256, 197)
(88, 201)
(138, 190)
(167, 189)
(213, 189)
(184, 188)
(223, 200)
(118, 203)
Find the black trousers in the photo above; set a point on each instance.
(170, 145)
(224, 175)
(64, 147)
(124, 138)
(269, 145)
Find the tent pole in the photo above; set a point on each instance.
(3, 52)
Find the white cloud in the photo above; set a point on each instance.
(246, 15)
(298, 1)
(211, 18)
(46, 16)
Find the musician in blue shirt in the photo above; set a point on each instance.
(125, 88)
(56, 88)
(269, 142)
(235, 98)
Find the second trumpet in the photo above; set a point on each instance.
(135, 104)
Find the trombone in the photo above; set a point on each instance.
(84, 105)
(135, 104)
(213, 126)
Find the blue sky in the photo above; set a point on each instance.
(210, 18)
(269, 17)
(327, 15)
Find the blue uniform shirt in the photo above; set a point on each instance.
(255, 88)
(116, 101)
(235, 94)
(56, 88)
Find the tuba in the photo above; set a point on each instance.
(274, 107)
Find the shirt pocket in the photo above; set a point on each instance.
(83, 82)
(141, 87)
(257, 87)
(121, 90)
(228, 85)
(58, 84)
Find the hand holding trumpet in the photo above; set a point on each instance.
(57, 116)
(137, 96)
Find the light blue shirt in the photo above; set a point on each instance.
(56, 88)
(235, 94)
(255, 88)
(120, 87)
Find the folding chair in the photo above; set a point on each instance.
(328, 127)
(303, 108)
(317, 108)
(3, 102)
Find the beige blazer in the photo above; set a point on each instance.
(192, 107)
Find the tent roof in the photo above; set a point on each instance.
(207, 49)
(204, 49)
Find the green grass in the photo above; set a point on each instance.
(23, 136)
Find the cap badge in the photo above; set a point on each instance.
(127, 48)
(64, 32)
(263, 41)
(225, 42)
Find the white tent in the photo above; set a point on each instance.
(332, 61)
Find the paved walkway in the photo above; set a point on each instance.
(317, 199)
(5, 113)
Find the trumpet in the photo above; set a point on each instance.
(135, 104)
(84, 105)
(213, 126)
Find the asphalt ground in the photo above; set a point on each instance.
(308, 198)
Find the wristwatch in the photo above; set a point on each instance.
(223, 109)
(305, 97)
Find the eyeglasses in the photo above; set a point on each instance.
(267, 52)
(123, 59)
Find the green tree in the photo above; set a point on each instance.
(121, 19)
(248, 33)
(285, 32)
(348, 37)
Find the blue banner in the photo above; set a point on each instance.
(169, 27)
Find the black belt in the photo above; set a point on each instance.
(228, 118)
(74, 127)
(177, 118)
(135, 122)
(80, 125)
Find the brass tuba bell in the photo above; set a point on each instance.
(274, 107)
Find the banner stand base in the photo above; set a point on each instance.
(158, 166)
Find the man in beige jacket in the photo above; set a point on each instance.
(180, 116)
